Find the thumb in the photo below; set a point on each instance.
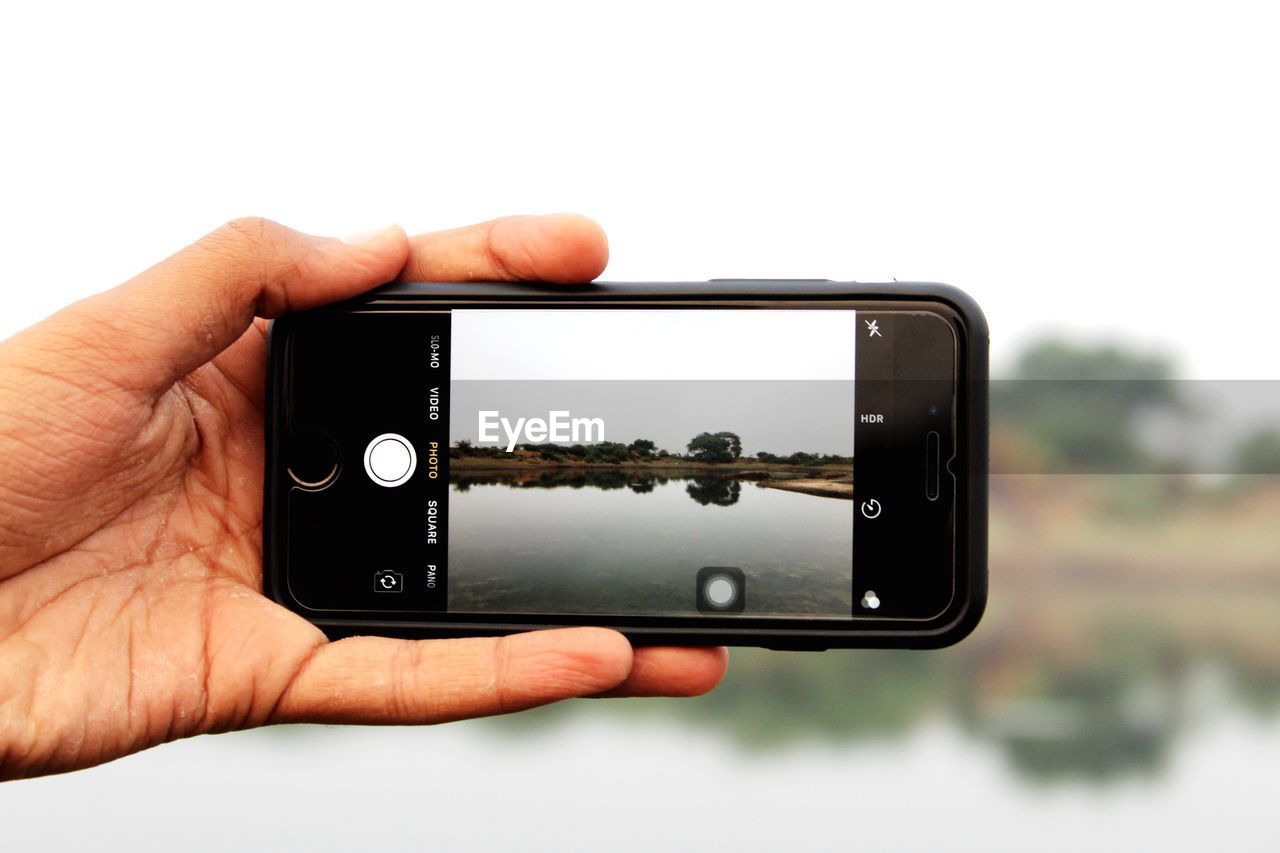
(166, 322)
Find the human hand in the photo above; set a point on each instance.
(131, 466)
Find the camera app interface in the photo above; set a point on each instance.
(594, 461)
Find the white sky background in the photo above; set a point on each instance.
(1102, 168)
(652, 344)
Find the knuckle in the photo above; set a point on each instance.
(262, 254)
(499, 254)
(503, 697)
(247, 240)
(405, 699)
(252, 230)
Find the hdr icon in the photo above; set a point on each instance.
(871, 419)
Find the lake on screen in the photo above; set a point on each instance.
(616, 542)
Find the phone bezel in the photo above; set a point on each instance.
(969, 533)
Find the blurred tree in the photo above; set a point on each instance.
(1258, 453)
(1080, 403)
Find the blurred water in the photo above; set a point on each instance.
(1122, 691)
(606, 782)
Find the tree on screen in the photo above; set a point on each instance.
(643, 448)
(715, 447)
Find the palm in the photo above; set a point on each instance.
(168, 590)
(131, 515)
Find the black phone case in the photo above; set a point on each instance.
(972, 433)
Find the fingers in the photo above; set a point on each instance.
(161, 325)
(377, 680)
(669, 671)
(564, 248)
(179, 314)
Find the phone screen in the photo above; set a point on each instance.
(591, 462)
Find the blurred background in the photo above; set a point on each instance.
(1102, 177)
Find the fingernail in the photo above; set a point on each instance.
(368, 236)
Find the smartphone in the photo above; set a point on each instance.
(788, 464)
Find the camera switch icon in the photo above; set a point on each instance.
(385, 580)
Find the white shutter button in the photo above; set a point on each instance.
(389, 460)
